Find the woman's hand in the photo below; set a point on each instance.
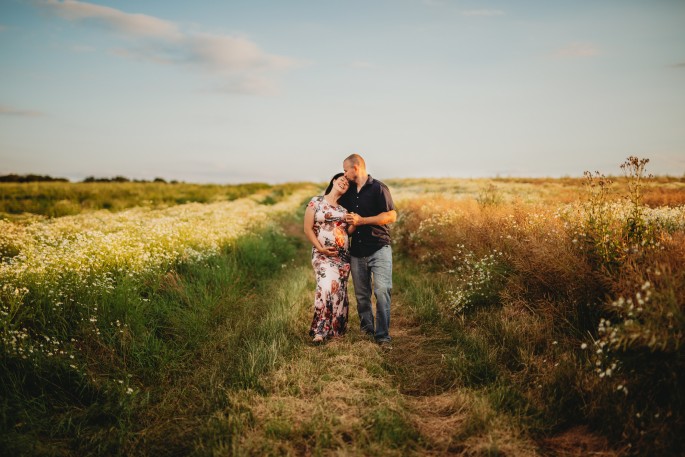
(329, 251)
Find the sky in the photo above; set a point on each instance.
(219, 91)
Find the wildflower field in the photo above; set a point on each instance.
(563, 313)
(530, 317)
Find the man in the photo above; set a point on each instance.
(370, 208)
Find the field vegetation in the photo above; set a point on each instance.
(531, 317)
(656, 191)
(105, 316)
(55, 199)
(560, 314)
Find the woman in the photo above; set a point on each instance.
(326, 229)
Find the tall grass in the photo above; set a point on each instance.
(657, 191)
(137, 371)
(562, 314)
(104, 315)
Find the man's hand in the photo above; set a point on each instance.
(353, 218)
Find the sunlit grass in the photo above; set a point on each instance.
(561, 312)
(56, 199)
(101, 312)
(659, 191)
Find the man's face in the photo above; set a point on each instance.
(350, 171)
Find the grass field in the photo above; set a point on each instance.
(531, 317)
(55, 199)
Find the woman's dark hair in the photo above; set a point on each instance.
(330, 184)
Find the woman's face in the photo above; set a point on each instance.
(342, 184)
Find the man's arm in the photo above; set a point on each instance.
(387, 217)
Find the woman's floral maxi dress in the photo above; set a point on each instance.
(331, 305)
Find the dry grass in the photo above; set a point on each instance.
(659, 191)
(451, 419)
(579, 442)
(321, 401)
(549, 287)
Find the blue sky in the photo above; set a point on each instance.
(276, 91)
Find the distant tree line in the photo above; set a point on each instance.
(30, 178)
(125, 179)
(15, 178)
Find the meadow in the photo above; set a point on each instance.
(55, 199)
(530, 317)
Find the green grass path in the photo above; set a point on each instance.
(349, 397)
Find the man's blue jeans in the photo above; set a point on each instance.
(374, 273)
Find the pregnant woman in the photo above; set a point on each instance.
(326, 229)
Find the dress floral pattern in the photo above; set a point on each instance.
(331, 305)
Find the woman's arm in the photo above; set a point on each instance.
(311, 236)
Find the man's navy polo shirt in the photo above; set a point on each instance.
(373, 198)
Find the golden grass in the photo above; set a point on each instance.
(319, 401)
(658, 191)
(550, 287)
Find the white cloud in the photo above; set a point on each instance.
(227, 53)
(139, 25)
(239, 62)
(485, 12)
(11, 111)
(578, 50)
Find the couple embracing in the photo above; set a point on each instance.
(348, 228)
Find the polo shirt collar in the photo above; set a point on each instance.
(369, 181)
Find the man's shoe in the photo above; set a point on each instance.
(385, 345)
